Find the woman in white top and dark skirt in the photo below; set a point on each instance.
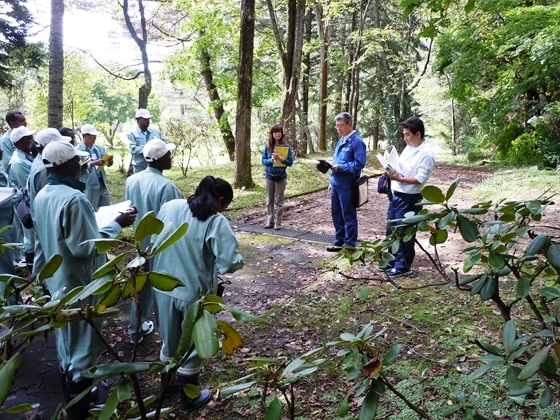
(276, 156)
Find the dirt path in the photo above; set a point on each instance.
(276, 269)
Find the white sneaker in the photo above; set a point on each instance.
(147, 329)
(20, 263)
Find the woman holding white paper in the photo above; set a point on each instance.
(276, 156)
(416, 165)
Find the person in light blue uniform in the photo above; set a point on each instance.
(139, 136)
(149, 190)
(275, 176)
(35, 183)
(64, 219)
(18, 169)
(348, 161)
(208, 246)
(95, 177)
(8, 217)
(14, 119)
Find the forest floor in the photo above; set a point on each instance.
(287, 281)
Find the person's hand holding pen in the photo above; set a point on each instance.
(127, 217)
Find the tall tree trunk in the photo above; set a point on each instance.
(56, 65)
(217, 105)
(304, 133)
(291, 64)
(242, 173)
(324, 30)
(144, 90)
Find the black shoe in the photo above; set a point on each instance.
(191, 404)
(277, 227)
(269, 226)
(80, 410)
(384, 269)
(394, 273)
(333, 248)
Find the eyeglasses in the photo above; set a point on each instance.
(340, 125)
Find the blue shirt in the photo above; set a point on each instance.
(137, 139)
(350, 156)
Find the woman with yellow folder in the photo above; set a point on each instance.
(276, 156)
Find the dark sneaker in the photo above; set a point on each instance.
(333, 248)
(394, 273)
(269, 226)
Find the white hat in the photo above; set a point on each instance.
(155, 149)
(143, 113)
(20, 132)
(47, 135)
(89, 129)
(59, 152)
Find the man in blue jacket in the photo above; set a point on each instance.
(95, 177)
(139, 136)
(348, 161)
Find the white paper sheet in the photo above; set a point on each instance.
(107, 214)
(390, 161)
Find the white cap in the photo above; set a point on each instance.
(89, 129)
(143, 113)
(155, 149)
(47, 135)
(59, 152)
(20, 132)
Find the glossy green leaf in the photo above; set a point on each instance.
(111, 297)
(164, 282)
(193, 314)
(293, 366)
(237, 388)
(212, 304)
(479, 285)
(468, 230)
(274, 410)
(205, 336)
(469, 279)
(109, 266)
(243, 316)
(391, 355)
(545, 400)
(490, 348)
(20, 408)
(550, 293)
(523, 286)
(191, 390)
(50, 267)
(480, 372)
(168, 237)
(533, 364)
(378, 387)
(96, 287)
(110, 406)
(343, 408)
(536, 244)
(445, 221)
(103, 245)
(509, 335)
(553, 256)
(123, 390)
(8, 376)
(433, 194)
(496, 260)
(138, 261)
(452, 188)
(369, 406)
(489, 289)
(148, 225)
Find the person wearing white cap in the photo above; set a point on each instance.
(14, 119)
(65, 223)
(149, 190)
(95, 178)
(8, 218)
(19, 169)
(139, 136)
(37, 180)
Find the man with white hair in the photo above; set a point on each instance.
(65, 223)
(139, 136)
(149, 190)
(95, 177)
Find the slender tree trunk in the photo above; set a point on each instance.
(324, 36)
(305, 135)
(242, 174)
(144, 90)
(56, 65)
(217, 105)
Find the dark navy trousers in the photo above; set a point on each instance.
(400, 205)
(345, 218)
